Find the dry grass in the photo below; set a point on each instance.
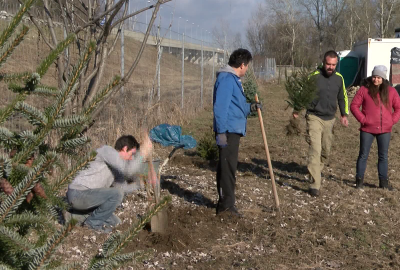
(344, 228)
(129, 111)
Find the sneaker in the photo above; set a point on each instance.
(313, 192)
(102, 229)
(67, 216)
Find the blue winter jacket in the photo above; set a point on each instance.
(230, 106)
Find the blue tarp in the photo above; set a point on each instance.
(168, 135)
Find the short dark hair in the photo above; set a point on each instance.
(330, 54)
(126, 140)
(239, 57)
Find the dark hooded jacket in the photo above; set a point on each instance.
(330, 92)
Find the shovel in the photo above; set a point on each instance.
(271, 171)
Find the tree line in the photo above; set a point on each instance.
(298, 32)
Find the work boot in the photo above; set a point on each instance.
(384, 183)
(359, 182)
(313, 192)
(231, 210)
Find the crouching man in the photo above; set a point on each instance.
(91, 190)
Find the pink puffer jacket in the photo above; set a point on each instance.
(375, 119)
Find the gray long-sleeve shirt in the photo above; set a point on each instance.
(105, 169)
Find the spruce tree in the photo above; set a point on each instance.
(29, 191)
(301, 88)
(250, 87)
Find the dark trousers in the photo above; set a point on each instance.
(226, 172)
(366, 140)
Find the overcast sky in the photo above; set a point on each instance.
(205, 14)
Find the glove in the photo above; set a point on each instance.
(221, 139)
(254, 106)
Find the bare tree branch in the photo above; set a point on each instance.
(33, 20)
(134, 65)
(134, 14)
(118, 32)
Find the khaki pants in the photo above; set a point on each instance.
(319, 137)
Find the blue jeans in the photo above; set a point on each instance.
(101, 202)
(366, 140)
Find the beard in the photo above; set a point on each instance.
(328, 72)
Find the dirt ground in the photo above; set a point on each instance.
(344, 228)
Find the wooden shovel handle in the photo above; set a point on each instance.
(271, 171)
(156, 187)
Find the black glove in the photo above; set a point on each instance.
(255, 105)
(221, 139)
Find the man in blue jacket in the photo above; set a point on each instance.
(230, 119)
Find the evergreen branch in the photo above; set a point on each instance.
(18, 171)
(27, 136)
(55, 111)
(13, 240)
(15, 77)
(51, 209)
(33, 115)
(26, 218)
(5, 267)
(44, 66)
(100, 96)
(15, 22)
(65, 179)
(73, 144)
(117, 241)
(8, 111)
(69, 89)
(71, 266)
(69, 121)
(7, 138)
(9, 206)
(5, 166)
(30, 82)
(16, 88)
(46, 91)
(113, 262)
(92, 105)
(10, 48)
(27, 151)
(40, 256)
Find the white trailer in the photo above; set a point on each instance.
(376, 51)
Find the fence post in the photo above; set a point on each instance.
(265, 68)
(202, 77)
(160, 51)
(122, 54)
(213, 74)
(183, 66)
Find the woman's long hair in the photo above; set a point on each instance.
(382, 89)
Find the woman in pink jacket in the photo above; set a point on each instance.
(380, 105)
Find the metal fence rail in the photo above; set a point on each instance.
(174, 78)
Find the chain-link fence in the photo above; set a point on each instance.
(265, 68)
(173, 80)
